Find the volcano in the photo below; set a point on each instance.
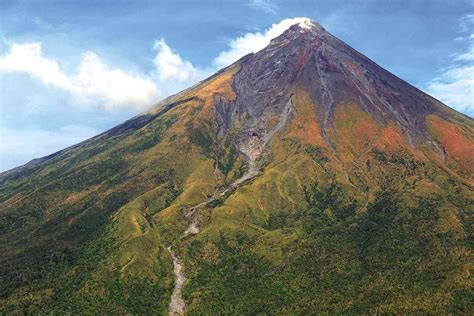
(302, 179)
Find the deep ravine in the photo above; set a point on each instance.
(252, 156)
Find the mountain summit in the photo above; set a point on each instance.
(301, 179)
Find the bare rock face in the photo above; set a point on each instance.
(307, 56)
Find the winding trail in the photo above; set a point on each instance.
(177, 304)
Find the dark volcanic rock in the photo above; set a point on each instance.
(333, 73)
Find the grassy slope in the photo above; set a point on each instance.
(398, 244)
(54, 223)
(84, 230)
(385, 230)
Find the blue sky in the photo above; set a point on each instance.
(72, 69)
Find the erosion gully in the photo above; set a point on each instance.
(177, 305)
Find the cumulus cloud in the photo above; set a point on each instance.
(96, 84)
(172, 72)
(115, 87)
(170, 66)
(93, 83)
(28, 58)
(253, 42)
(455, 85)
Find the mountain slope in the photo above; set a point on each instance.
(304, 178)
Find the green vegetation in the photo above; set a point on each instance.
(61, 247)
(377, 232)
(316, 153)
(152, 134)
(202, 136)
(93, 283)
(223, 152)
(226, 157)
(394, 257)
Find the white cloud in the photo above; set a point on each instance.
(455, 85)
(18, 146)
(253, 42)
(94, 83)
(113, 86)
(28, 58)
(172, 72)
(170, 66)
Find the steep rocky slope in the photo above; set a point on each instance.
(304, 178)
